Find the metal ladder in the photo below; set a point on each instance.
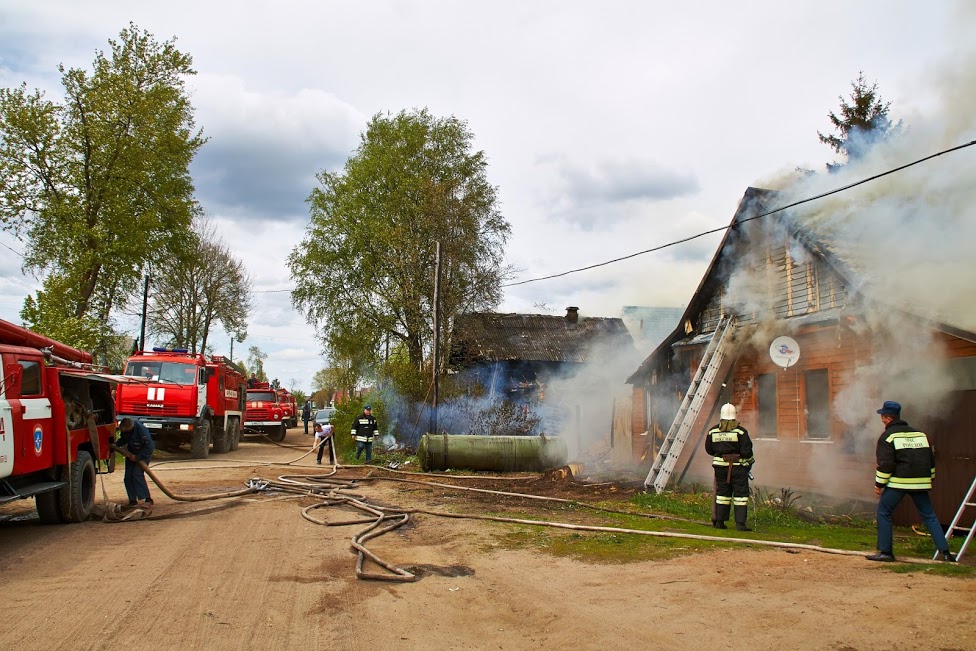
(966, 501)
(712, 359)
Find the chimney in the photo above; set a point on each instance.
(572, 314)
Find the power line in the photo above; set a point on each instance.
(742, 221)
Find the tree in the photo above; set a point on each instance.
(194, 290)
(99, 184)
(364, 271)
(861, 123)
(255, 363)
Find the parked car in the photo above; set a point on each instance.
(323, 416)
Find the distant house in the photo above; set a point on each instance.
(809, 403)
(517, 355)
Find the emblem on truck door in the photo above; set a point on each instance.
(38, 440)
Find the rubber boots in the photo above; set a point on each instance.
(740, 518)
(721, 515)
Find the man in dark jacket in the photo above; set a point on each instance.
(306, 414)
(906, 466)
(730, 447)
(137, 445)
(364, 430)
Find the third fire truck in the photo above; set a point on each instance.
(265, 413)
(186, 398)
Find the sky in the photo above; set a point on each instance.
(609, 128)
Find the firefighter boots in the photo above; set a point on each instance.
(740, 518)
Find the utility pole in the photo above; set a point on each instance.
(437, 302)
(232, 349)
(145, 307)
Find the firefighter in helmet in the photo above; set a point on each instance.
(730, 447)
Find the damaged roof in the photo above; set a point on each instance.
(490, 336)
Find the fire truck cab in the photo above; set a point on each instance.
(185, 398)
(265, 414)
(57, 420)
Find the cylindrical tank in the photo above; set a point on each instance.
(497, 453)
(15, 335)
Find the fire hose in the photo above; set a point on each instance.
(176, 496)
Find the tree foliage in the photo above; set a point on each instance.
(364, 273)
(99, 183)
(860, 123)
(197, 289)
(255, 363)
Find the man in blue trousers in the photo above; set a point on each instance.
(137, 445)
(906, 466)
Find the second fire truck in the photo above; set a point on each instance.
(186, 398)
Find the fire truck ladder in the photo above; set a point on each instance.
(687, 414)
(969, 500)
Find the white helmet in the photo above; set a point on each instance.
(728, 411)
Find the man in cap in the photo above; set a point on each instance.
(730, 447)
(136, 443)
(906, 466)
(364, 430)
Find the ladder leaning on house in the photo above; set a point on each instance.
(687, 414)
(966, 501)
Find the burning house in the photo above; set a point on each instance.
(811, 333)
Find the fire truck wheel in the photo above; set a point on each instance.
(234, 433)
(200, 443)
(278, 434)
(221, 440)
(78, 497)
(48, 507)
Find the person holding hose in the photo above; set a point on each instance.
(364, 430)
(137, 445)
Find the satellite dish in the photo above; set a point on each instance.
(784, 351)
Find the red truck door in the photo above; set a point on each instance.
(30, 415)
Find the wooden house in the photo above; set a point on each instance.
(811, 414)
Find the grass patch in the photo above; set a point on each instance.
(773, 520)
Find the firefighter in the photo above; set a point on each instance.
(364, 429)
(906, 466)
(138, 446)
(730, 447)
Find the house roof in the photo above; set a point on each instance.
(489, 336)
(847, 246)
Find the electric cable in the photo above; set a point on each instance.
(747, 219)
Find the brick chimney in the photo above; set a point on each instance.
(572, 314)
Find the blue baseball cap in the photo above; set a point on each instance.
(890, 408)
(367, 407)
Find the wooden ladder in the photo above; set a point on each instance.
(966, 501)
(712, 360)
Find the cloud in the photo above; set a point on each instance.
(607, 192)
(264, 149)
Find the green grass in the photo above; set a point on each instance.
(780, 522)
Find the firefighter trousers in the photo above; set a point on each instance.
(729, 493)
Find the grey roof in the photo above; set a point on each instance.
(489, 336)
(653, 324)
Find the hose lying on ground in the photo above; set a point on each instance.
(185, 498)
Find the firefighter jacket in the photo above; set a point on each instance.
(364, 428)
(719, 444)
(905, 459)
(138, 441)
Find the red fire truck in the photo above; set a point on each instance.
(265, 413)
(56, 422)
(186, 398)
(289, 407)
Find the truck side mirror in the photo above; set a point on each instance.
(13, 376)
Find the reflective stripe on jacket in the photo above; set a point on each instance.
(365, 428)
(906, 460)
(735, 441)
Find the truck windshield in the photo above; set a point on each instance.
(163, 371)
(266, 396)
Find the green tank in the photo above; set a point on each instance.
(496, 453)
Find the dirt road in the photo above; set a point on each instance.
(251, 573)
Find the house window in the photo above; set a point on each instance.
(30, 384)
(818, 403)
(767, 405)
